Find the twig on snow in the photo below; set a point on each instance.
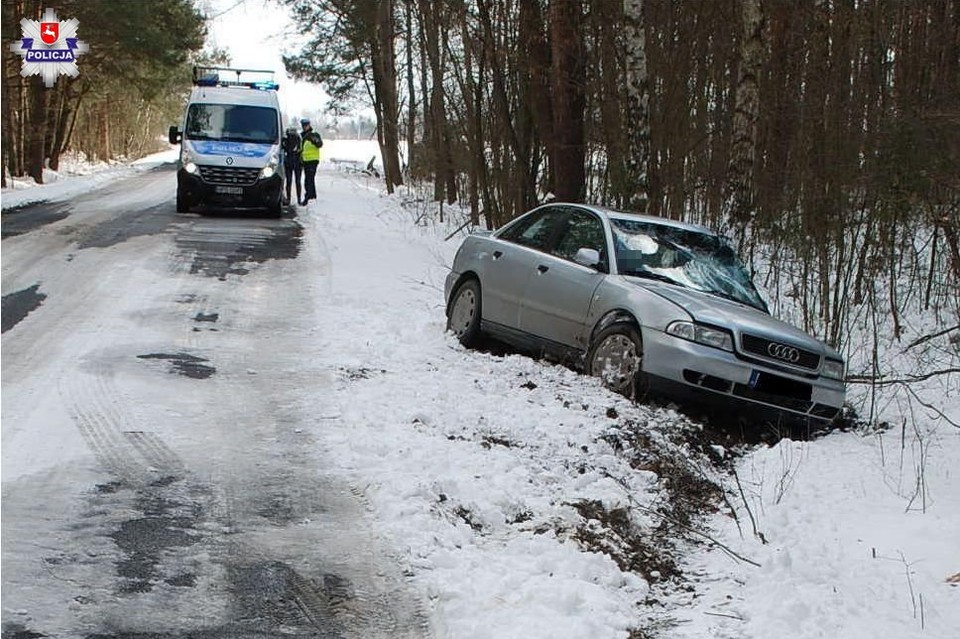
(720, 614)
(650, 511)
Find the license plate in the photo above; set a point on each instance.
(229, 190)
(754, 379)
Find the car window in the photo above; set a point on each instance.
(534, 231)
(582, 230)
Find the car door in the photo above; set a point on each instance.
(510, 259)
(558, 291)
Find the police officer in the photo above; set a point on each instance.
(291, 161)
(310, 152)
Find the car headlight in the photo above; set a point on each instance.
(715, 337)
(267, 172)
(190, 167)
(832, 368)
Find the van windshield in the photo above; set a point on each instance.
(232, 123)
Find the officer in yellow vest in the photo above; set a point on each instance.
(310, 152)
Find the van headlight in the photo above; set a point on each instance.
(271, 168)
(186, 159)
(832, 368)
(706, 335)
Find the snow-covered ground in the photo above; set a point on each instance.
(75, 177)
(491, 475)
(849, 551)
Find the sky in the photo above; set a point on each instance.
(256, 33)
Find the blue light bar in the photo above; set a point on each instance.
(210, 77)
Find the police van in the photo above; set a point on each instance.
(230, 153)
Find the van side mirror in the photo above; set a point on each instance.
(174, 135)
(587, 257)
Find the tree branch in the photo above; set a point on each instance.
(880, 380)
(927, 338)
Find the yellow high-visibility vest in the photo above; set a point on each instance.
(311, 152)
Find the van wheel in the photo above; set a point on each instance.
(463, 313)
(182, 206)
(615, 356)
(276, 209)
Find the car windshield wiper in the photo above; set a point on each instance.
(650, 275)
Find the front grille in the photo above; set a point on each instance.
(228, 175)
(791, 403)
(779, 352)
(769, 389)
(707, 381)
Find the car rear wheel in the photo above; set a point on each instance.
(463, 313)
(615, 357)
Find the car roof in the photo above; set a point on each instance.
(638, 217)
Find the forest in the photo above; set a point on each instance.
(132, 85)
(822, 135)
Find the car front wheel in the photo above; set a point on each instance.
(615, 357)
(463, 313)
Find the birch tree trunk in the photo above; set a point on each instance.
(637, 89)
(411, 90)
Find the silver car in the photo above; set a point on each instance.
(644, 303)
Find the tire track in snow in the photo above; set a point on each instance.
(155, 451)
(96, 406)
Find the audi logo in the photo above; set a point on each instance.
(784, 352)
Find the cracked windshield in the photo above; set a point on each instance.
(687, 258)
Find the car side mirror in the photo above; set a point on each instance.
(587, 257)
(174, 135)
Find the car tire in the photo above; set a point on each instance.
(182, 206)
(616, 357)
(276, 209)
(464, 312)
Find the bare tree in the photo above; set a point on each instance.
(567, 83)
(746, 113)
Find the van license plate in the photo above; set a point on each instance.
(230, 190)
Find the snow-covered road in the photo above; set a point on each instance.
(159, 468)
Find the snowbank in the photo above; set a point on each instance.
(75, 177)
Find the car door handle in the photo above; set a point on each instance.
(543, 269)
(497, 255)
